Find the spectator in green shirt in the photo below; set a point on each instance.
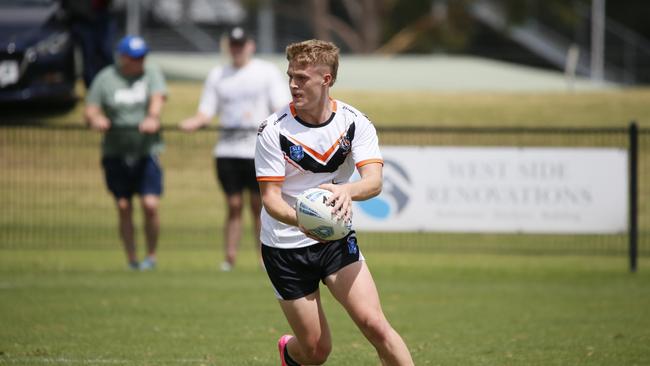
(124, 103)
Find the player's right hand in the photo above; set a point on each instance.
(190, 124)
(100, 123)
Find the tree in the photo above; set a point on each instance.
(358, 27)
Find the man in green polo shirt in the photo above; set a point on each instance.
(124, 103)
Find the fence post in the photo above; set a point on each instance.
(633, 194)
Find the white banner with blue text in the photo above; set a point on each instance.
(499, 189)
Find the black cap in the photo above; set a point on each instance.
(238, 35)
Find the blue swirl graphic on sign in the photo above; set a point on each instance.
(394, 196)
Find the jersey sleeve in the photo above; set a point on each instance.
(269, 159)
(209, 98)
(365, 148)
(95, 93)
(157, 83)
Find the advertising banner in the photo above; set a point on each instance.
(499, 189)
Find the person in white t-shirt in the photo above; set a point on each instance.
(242, 94)
(316, 141)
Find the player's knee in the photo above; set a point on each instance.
(376, 328)
(124, 206)
(234, 210)
(235, 204)
(318, 352)
(150, 206)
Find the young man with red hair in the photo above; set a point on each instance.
(317, 141)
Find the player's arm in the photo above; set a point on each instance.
(95, 118)
(195, 122)
(207, 104)
(365, 188)
(275, 205)
(151, 122)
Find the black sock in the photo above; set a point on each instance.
(288, 359)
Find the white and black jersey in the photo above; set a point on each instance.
(304, 156)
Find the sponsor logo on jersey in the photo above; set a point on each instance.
(136, 93)
(349, 110)
(296, 153)
(279, 119)
(345, 145)
(261, 128)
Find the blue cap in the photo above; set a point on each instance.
(132, 46)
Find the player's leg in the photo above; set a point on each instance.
(150, 189)
(295, 275)
(312, 342)
(126, 229)
(150, 204)
(227, 174)
(118, 181)
(232, 234)
(354, 287)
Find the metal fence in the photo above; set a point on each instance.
(53, 195)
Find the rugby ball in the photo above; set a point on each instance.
(317, 217)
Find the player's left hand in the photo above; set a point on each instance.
(342, 200)
(150, 124)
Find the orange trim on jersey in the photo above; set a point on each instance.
(369, 161)
(322, 157)
(270, 179)
(293, 163)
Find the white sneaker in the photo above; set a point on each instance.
(147, 264)
(226, 267)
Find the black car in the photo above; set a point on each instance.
(37, 57)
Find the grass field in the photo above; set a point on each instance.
(596, 109)
(66, 297)
(81, 308)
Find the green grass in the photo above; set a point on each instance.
(458, 299)
(605, 108)
(83, 307)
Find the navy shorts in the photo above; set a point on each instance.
(296, 273)
(126, 177)
(236, 174)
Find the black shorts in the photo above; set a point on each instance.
(236, 174)
(126, 177)
(295, 273)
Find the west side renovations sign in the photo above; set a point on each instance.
(499, 189)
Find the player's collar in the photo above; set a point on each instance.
(294, 113)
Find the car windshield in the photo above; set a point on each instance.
(25, 2)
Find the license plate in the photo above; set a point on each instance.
(8, 73)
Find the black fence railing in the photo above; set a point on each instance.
(53, 194)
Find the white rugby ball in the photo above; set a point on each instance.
(317, 217)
